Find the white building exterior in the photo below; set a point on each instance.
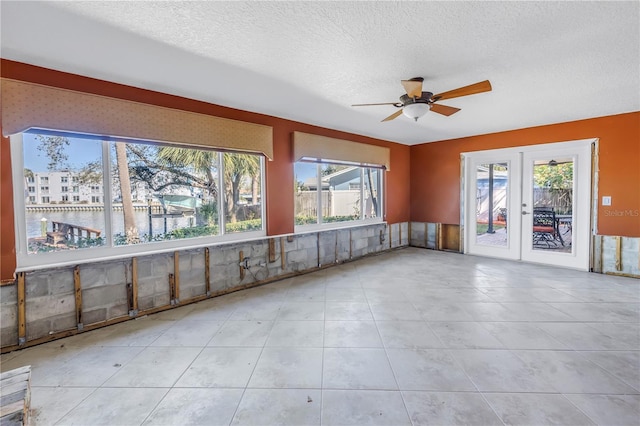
(65, 188)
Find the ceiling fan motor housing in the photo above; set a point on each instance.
(423, 99)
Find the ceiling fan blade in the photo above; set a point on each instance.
(394, 115)
(444, 109)
(383, 103)
(483, 86)
(413, 87)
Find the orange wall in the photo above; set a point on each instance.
(279, 172)
(435, 169)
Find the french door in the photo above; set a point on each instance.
(530, 203)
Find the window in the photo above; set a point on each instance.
(31, 179)
(32, 189)
(44, 189)
(150, 195)
(44, 179)
(330, 193)
(64, 179)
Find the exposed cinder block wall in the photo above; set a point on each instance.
(8, 315)
(608, 259)
(107, 287)
(104, 291)
(424, 234)
(50, 302)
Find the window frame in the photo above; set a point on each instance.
(320, 225)
(110, 251)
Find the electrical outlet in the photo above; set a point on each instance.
(606, 200)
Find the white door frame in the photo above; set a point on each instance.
(519, 242)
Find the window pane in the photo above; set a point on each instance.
(53, 222)
(306, 193)
(163, 193)
(242, 195)
(340, 193)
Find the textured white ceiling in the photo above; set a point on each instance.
(548, 62)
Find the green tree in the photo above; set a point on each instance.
(237, 167)
(55, 149)
(554, 177)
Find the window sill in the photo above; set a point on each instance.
(305, 229)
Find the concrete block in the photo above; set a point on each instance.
(360, 243)
(92, 275)
(297, 256)
(104, 296)
(161, 300)
(145, 303)
(117, 311)
(61, 281)
(144, 267)
(8, 294)
(64, 322)
(38, 328)
(307, 241)
(35, 288)
(9, 315)
(94, 315)
(117, 273)
(49, 306)
(37, 279)
(8, 336)
(146, 287)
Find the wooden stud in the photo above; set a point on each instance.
(172, 288)
(134, 284)
(207, 272)
(282, 258)
(22, 314)
(390, 236)
(241, 266)
(318, 248)
(336, 248)
(78, 293)
(618, 253)
(438, 236)
(272, 250)
(176, 278)
(350, 245)
(400, 233)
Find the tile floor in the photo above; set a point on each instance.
(409, 337)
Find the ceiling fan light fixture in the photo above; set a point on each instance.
(416, 110)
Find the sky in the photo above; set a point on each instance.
(80, 152)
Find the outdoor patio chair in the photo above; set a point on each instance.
(545, 228)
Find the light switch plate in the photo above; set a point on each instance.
(606, 200)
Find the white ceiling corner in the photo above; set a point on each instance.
(548, 62)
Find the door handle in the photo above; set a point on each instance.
(523, 212)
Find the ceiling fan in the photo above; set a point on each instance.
(417, 103)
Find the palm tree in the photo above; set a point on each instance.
(201, 161)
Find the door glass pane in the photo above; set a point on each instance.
(553, 205)
(491, 204)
